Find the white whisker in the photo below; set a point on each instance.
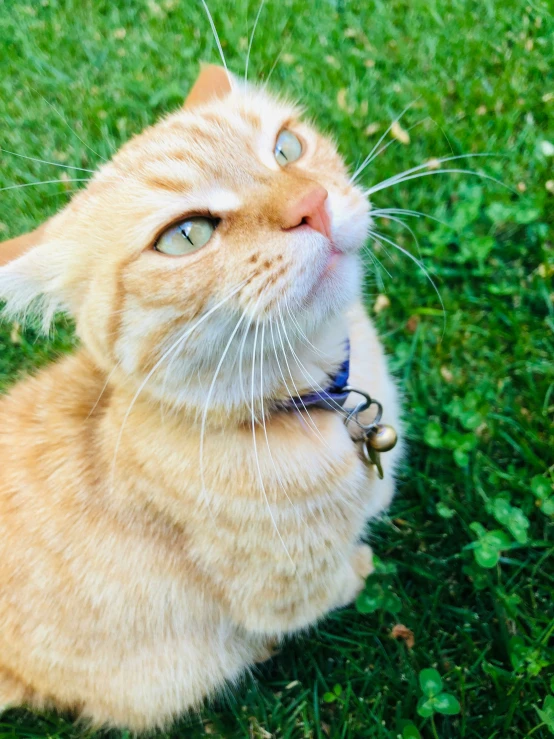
(44, 182)
(419, 264)
(60, 115)
(290, 395)
(298, 393)
(166, 375)
(409, 173)
(208, 398)
(301, 333)
(274, 65)
(407, 227)
(242, 386)
(256, 449)
(307, 376)
(395, 141)
(370, 156)
(383, 213)
(218, 42)
(44, 161)
(378, 267)
(108, 378)
(277, 473)
(252, 40)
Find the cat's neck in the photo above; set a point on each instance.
(245, 387)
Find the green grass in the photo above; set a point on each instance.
(479, 392)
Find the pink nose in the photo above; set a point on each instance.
(310, 210)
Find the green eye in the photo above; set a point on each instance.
(186, 237)
(287, 148)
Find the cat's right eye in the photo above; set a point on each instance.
(186, 237)
(287, 147)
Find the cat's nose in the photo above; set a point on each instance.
(310, 211)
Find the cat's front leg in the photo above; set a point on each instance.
(273, 610)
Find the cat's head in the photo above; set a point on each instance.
(229, 226)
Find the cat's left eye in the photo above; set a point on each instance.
(186, 237)
(287, 147)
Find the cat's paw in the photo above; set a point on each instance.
(361, 565)
(12, 692)
(362, 561)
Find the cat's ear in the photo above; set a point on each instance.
(212, 82)
(34, 284)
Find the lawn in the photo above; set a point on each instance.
(467, 546)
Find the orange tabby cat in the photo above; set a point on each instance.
(163, 519)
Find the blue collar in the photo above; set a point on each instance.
(375, 437)
(333, 397)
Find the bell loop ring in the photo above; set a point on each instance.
(362, 406)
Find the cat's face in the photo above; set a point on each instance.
(276, 227)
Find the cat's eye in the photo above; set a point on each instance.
(186, 236)
(287, 147)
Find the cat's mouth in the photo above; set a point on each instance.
(332, 262)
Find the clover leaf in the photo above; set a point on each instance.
(525, 657)
(511, 517)
(461, 457)
(430, 682)
(376, 595)
(425, 707)
(460, 444)
(541, 487)
(383, 568)
(331, 697)
(410, 732)
(445, 511)
(433, 434)
(542, 490)
(447, 704)
(547, 712)
(489, 545)
(391, 602)
(369, 599)
(520, 212)
(434, 698)
(468, 410)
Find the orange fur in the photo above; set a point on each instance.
(162, 522)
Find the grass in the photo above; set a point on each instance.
(79, 78)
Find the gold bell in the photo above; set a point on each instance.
(382, 438)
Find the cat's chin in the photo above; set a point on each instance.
(336, 286)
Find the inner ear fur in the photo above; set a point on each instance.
(213, 82)
(36, 282)
(14, 248)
